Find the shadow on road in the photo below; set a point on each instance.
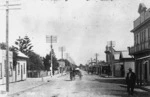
(68, 80)
(115, 81)
(123, 93)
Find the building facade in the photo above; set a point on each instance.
(20, 70)
(113, 61)
(141, 48)
(119, 62)
(2, 67)
(16, 73)
(128, 62)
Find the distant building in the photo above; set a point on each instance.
(141, 48)
(112, 59)
(61, 67)
(127, 61)
(119, 62)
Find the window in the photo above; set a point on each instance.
(149, 67)
(144, 35)
(148, 33)
(18, 68)
(141, 36)
(135, 39)
(138, 38)
(0, 70)
(24, 68)
(10, 69)
(5, 68)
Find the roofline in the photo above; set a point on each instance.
(140, 25)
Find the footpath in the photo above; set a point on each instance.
(22, 86)
(144, 87)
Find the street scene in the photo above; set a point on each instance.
(88, 86)
(74, 48)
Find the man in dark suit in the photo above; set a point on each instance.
(130, 80)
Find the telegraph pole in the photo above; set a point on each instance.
(112, 60)
(91, 61)
(7, 47)
(62, 49)
(6, 5)
(51, 39)
(96, 55)
(51, 56)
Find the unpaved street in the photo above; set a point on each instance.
(89, 86)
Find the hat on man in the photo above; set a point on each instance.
(130, 69)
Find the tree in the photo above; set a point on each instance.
(47, 61)
(14, 51)
(35, 62)
(3, 46)
(24, 45)
(15, 55)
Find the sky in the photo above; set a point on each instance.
(82, 27)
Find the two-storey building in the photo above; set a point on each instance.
(113, 61)
(141, 48)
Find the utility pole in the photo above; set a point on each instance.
(62, 49)
(6, 5)
(7, 47)
(51, 39)
(51, 56)
(96, 55)
(112, 44)
(91, 61)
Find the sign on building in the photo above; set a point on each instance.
(61, 64)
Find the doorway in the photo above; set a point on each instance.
(145, 71)
(21, 72)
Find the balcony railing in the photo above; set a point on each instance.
(140, 47)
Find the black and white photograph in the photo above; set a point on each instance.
(74, 48)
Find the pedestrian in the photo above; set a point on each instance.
(71, 73)
(130, 81)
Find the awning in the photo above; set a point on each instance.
(143, 57)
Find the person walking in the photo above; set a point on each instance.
(71, 73)
(130, 81)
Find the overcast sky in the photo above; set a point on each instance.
(82, 27)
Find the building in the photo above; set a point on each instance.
(141, 48)
(109, 58)
(20, 70)
(61, 67)
(119, 62)
(113, 61)
(16, 73)
(127, 61)
(2, 67)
